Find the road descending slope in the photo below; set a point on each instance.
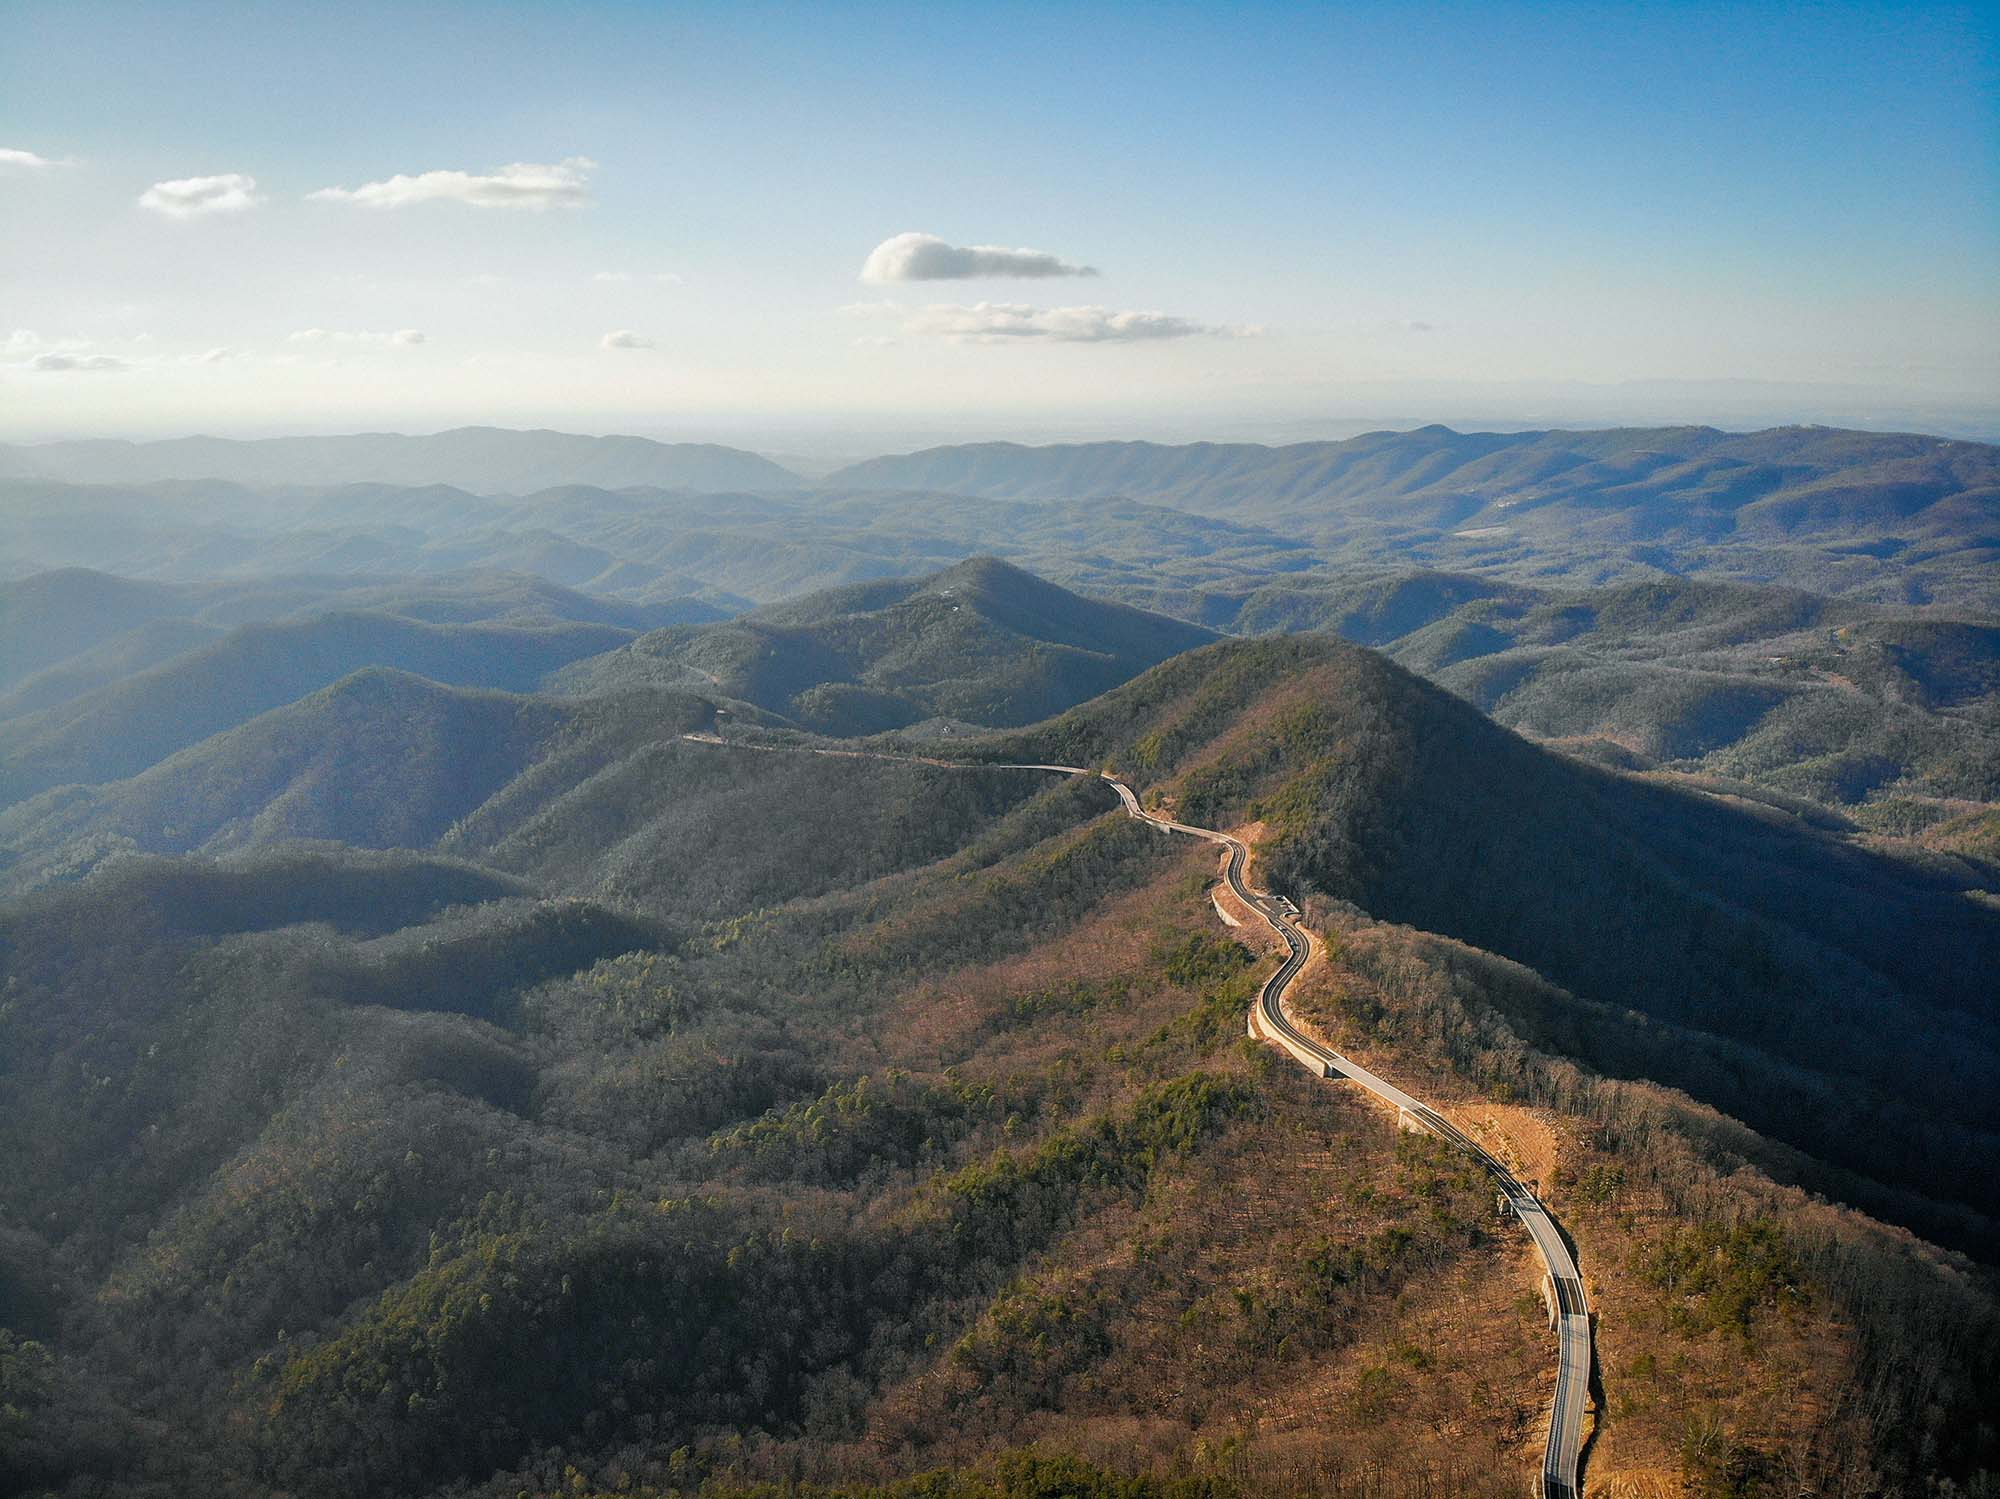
(1270, 1020)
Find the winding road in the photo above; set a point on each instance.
(1271, 1020)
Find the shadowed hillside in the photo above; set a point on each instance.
(121, 729)
(588, 796)
(68, 632)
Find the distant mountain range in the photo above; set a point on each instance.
(485, 460)
(1816, 507)
(1450, 477)
(1887, 517)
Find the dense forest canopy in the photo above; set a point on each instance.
(555, 989)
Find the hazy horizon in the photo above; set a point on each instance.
(818, 230)
(815, 443)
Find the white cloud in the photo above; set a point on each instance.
(625, 338)
(193, 197)
(405, 337)
(664, 278)
(215, 356)
(22, 341)
(81, 363)
(925, 257)
(13, 157)
(523, 184)
(1002, 322)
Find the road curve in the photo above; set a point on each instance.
(1271, 1020)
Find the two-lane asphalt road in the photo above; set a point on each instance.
(1271, 1020)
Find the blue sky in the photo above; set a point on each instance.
(1298, 214)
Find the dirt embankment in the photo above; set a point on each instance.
(1522, 1138)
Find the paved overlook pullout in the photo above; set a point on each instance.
(1271, 1021)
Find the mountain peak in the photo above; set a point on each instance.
(984, 573)
(982, 641)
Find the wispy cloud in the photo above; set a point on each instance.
(196, 197)
(925, 257)
(522, 184)
(624, 278)
(11, 156)
(625, 338)
(1006, 322)
(403, 337)
(53, 364)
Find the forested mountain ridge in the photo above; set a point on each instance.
(122, 728)
(983, 643)
(1886, 716)
(319, 726)
(593, 796)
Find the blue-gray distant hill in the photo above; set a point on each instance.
(1895, 516)
(484, 460)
